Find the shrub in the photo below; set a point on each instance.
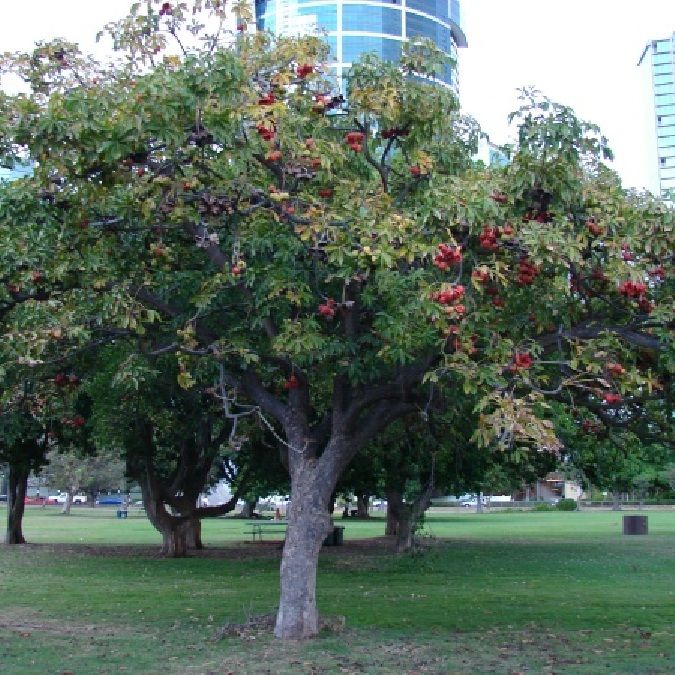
(566, 505)
(542, 506)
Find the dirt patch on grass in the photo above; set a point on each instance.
(25, 622)
(235, 551)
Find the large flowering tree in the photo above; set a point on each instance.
(327, 263)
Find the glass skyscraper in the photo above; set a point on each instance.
(355, 27)
(658, 58)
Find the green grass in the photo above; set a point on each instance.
(499, 592)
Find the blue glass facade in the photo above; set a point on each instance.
(659, 56)
(356, 27)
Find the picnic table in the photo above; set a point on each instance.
(256, 528)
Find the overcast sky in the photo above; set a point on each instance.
(583, 53)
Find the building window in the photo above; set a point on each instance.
(436, 8)
(323, 16)
(666, 68)
(421, 26)
(355, 46)
(370, 19)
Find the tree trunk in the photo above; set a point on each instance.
(362, 503)
(412, 515)
(18, 483)
(194, 534)
(308, 525)
(249, 508)
(172, 529)
(395, 507)
(479, 503)
(616, 501)
(67, 504)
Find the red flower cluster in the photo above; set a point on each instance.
(499, 197)
(481, 276)
(267, 99)
(488, 238)
(77, 422)
(611, 398)
(449, 255)
(632, 289)
(328, 310)
(325, 193)
(526, 272)
(522, 361)
(595, 229)
(61, 380)
(267, 133)
(354, 139)
(304, 70)
(448, 296)
(658, 272)
(616, 369)
(165, 9)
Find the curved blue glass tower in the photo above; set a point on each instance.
(355, 27)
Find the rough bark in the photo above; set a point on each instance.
(362, 503)
(308, 525)
(172, 529)
(18, 483)
(395, 507)
(479, 503)
(194, 534)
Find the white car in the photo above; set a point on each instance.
(61, 498)
(473, 502)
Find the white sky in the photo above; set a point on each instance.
(583, 53)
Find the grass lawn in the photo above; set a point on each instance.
(498, 592)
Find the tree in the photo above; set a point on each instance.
(332, 260)
(24, 441)
(171, 439)
(72, 472)
(616, 460)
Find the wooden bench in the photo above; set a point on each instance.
(257, 528)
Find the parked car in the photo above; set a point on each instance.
(473, 502)
(109, 500)
(61, 498)
(38, 501)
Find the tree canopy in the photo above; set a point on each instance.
(326, 260)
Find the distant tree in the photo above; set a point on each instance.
(71, 472)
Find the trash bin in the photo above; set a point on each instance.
(338, 535)
(635, 524)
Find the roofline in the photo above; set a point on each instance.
(644, 52)
(458, 34)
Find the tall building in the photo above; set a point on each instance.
(658, 64)
(355, 27)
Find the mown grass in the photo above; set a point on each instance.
(500, 592)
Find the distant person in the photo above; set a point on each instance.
(277, 514)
